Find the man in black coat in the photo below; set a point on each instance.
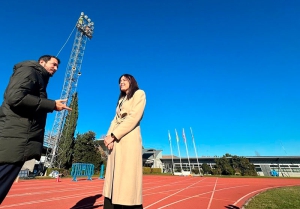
(23, 115)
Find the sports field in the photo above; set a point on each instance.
(158, 192)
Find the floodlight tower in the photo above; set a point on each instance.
(85, 29)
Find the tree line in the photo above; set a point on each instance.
(230, 165)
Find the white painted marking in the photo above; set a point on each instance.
(173, 194)
(48, 200)
(212, 194)
(198, 195)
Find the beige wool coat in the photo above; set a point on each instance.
(124, 171)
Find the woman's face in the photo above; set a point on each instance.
(124, 84)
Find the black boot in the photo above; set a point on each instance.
(133, 207)
(108, 204)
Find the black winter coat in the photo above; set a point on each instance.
(23, 113)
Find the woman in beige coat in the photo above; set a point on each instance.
(123, 178)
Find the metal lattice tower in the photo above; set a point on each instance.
(85, 29)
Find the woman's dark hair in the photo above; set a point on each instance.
(133, 86)
(46, 58)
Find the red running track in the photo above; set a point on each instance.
(176, 192)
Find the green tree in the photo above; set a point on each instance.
(86, 151)
(227, 155)
(229, 165)
(224, 165)
(247, 168)
(67, 140)
(216, 171)
(235, 163)
(206, 168)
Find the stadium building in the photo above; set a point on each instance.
(284, 166)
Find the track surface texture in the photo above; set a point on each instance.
(172, 192)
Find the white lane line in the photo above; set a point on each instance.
(51, 191)
(198, 195)
(177, 182)
(150, 181)
(47, 200)
(52, 181)
(34, 187)
(212, 194)
(175, 190)
(173, 194)
(172, 190)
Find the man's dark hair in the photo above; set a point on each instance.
(46, 58)
(133, 86)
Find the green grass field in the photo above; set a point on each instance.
(279, 198)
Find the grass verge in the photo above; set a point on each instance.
(278, 198)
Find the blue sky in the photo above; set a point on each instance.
(228, 69)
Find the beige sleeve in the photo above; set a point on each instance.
(112, 124)
(134, 116)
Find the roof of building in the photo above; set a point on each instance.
(249, 157)
(168, 156)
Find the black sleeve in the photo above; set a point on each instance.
(20, 92)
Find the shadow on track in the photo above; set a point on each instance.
(87, 202)
(232, 207)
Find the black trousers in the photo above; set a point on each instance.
(8, 174)
(108, 205)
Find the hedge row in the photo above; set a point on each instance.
(148, 170)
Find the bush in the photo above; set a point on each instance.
(216, 171)
(156, 170)
(195, 170)
(146, 170)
